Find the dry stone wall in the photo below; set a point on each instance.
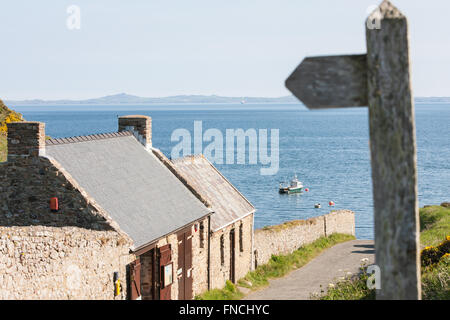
(289, 236)
(40, 262)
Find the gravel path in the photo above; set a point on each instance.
(323, 270)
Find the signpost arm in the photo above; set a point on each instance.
(393, 153)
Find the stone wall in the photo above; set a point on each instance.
(289, 236)
(40, 262)
(220, 273)
(69, 254)
(28, 184)
(342, 221)
(200, 259)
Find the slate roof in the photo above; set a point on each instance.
(226, 201)
(129, 182)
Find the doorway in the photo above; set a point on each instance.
(232, 256)
(184, 272)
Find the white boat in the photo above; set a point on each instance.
(295, 186)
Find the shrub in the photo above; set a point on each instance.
(432, 255)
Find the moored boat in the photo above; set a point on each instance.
(295, 186)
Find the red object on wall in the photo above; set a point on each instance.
(54, 204)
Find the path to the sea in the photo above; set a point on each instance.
(327, 268)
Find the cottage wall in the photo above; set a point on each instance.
(27, 186)
(199, 260)
(288, 237)
(220, 273)
(39, 262)
(69, 254)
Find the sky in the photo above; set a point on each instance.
(230, 48)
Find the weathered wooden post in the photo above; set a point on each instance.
(380, 79)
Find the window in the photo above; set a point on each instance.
(241, 240)
(222, 251)
(168, 275)
(202, 235)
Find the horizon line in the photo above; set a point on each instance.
(174, 96)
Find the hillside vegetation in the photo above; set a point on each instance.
(434, 256)
(6, 115)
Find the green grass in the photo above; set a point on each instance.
(350, 289)
(434, 226)
(278, 266)
(229, 292)
(436, 281)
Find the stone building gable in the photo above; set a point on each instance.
(27, 186)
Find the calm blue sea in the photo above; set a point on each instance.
(327, 149)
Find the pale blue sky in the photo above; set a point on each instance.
(233, 48)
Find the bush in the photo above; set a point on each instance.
(432, 255)
(436, 280)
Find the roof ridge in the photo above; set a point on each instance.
(85, 138)
(190, 157)
(202, 156)
(228, 181)
(179, 175)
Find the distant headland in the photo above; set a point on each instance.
(127, 99)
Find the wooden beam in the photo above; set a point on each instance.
(330, 82)
(393, 152)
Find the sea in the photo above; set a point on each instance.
(328, 150)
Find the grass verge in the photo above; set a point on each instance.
(278, 266)
(229, 292)
(434, 227)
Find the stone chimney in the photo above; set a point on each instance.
(140, 126)
(26, 139)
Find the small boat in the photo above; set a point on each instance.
(295, 186)
(317, 206)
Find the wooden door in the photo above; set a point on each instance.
(188, 265)
(184, 272)
(232, 256)
(165, 261)
(134, 282)
(181, 266)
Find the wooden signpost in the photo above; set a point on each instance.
(380, 80)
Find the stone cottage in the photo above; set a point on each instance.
(231, 223)
(98, 217)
